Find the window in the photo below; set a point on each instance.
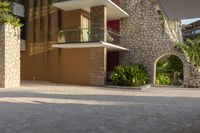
(85, 22)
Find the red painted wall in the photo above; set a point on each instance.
(114, 24)
(113, 57)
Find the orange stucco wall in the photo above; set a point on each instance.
(65, 66)
(70, 19)
(69, 66)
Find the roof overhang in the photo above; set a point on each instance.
(109, 46)
(180, 9)
(114, 11)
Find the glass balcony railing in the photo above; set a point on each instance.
(84, 35)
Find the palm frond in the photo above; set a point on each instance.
(192, 48)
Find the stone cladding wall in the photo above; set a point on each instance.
(149, 37)
(98, 57)
(9, 56)
(98, 17)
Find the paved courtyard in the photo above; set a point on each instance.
(41, 107)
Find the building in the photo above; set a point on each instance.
(70, 42)
(81, 41)
(191, 30)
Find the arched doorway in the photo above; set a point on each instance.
(169, 70)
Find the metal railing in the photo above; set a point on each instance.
(83, 35)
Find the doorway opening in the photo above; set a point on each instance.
(169, 71)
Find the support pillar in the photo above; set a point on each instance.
(98, 59)
(98, 23)
(9, 56)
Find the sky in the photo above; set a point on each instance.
(188, 21)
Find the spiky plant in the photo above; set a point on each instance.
(5, 7)
(6, 16)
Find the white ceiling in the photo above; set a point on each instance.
(181, 9)
(114, 11)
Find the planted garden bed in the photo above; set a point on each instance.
(129, 77)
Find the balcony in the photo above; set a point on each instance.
(87, 38)
(84, 35)
(98, 35)
(114, 12)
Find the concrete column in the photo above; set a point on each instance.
(9, 56)
(98, 23)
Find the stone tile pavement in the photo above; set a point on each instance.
(42, 107)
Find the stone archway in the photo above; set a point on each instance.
(191, 74)
(181, 58)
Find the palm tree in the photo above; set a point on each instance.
(192, 48)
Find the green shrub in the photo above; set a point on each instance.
(163, 79)
(129, 75)
(169, 71)
(6, 16)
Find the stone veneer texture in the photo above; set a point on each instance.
(98, 57)
(98, 16)
(149, 40)
(9, 56)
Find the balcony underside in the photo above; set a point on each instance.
(180, 9)
(114, 11)
(109, 46)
